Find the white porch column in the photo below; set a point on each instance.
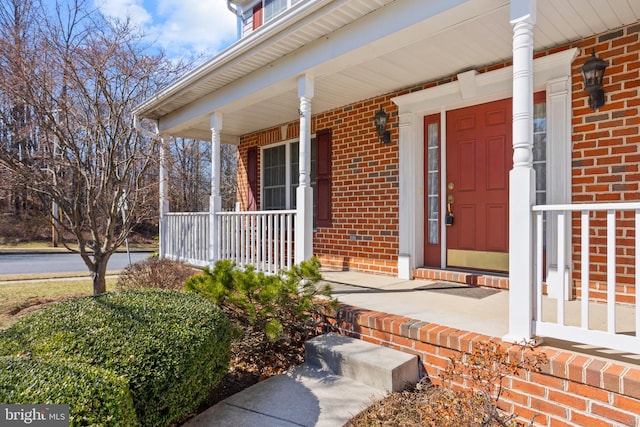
(304, 192)
(559, 182)
(164, 195)
(215, 201)
(411, 198)
(522, 176)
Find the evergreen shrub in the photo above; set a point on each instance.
(171, 347)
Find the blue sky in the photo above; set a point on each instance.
(183, 28)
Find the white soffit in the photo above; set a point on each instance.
(253, 91)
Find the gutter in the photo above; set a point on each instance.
(237, 10)
(136, 124)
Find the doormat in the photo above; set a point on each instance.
(459, 290)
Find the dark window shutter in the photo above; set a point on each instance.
(323, 178)
(257, 15)
(252, 179)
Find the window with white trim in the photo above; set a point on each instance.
(280, 175)
(433, 183)
(273, 8)
(274, 178)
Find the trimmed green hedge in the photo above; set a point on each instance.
(172, 347)
(99, 397)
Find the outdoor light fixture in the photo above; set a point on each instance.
(381, 125)
(593, 73)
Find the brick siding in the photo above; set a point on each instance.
(573, 389)
(606, 155)
(606, 160)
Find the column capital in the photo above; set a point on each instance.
(306, 86)
(215, 121)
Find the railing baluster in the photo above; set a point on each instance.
(263, 242)
(253, 250)
(194, 232)
(561, 268)
(269, 265)
(539, 263)
(611, 271)
(282, 241)
(237, 239)
(584, 274)
(245, 239)
(276, 243)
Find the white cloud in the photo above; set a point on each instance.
(123, 9)
(183, 28)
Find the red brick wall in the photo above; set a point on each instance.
(572, 389)
(364, 235)
(606, 155)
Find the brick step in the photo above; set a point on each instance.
(376, 366)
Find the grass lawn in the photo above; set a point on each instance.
(18, 299)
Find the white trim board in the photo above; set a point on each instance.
(551, 73)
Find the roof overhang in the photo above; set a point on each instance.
(358, 49)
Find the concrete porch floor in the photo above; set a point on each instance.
(468, 308)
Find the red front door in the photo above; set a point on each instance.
(479, 157)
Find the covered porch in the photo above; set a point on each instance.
(329, 61)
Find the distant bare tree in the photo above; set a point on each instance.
(190, 166)
(190, 179)
(228, 176)
(15, 133)
(71, 82)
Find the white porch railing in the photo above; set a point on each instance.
(187, 237)
(610, 324)
(262, 239)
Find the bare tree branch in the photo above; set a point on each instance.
(67, 87)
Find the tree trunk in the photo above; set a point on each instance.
(99, 275)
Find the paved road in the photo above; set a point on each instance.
(59, 262)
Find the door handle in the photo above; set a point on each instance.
(449, 218)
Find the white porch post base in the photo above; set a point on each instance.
(405, 269)
(215, 205)
(521, 192)
(304, 224)
(162, 247)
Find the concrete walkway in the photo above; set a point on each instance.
(340, 377)
(305, 396)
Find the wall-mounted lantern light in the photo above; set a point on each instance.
(593, 74)
(381, 126)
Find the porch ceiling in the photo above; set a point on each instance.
(353, 57)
